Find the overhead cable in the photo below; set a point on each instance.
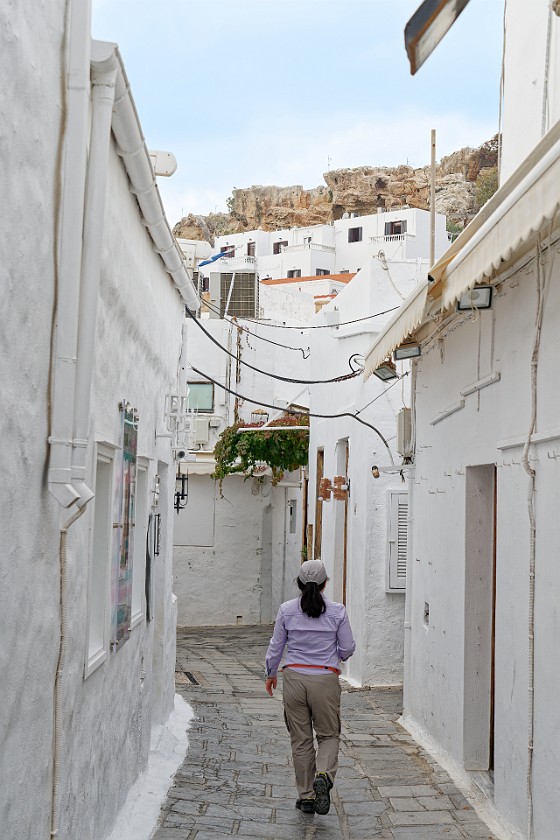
(342, 378)
(303, 350)
(298, 411)
(315, 326)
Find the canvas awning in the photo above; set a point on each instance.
(504, 228)
(407, 319)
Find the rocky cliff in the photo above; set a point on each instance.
(464, 181)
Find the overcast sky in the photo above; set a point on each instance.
(277, 91)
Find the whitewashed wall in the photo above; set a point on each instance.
(108, 717)
(528, 111)
(376, 615)
(29, 591)
(239, 571)
(444, 698)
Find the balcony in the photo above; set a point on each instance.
(308, 246)
(395, 237)
(238, 263)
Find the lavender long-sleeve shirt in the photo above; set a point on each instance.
(311, 641)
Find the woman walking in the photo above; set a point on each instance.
(318, 637)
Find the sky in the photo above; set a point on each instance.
(248, 92)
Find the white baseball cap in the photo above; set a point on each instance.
(312, 571)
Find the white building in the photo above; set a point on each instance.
(361, 536)
(91, 326)
(237, 542)
(481, 679)
(346, 245)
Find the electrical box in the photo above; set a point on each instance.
(201, 430)
(404, 433)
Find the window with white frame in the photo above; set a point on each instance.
(294, 272)
(140, 530)
(201, 396)
(397, 539)
(100, 562)
(355, 234)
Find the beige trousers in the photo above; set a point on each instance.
(312, 702)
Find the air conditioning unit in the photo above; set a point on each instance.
(201, 430)
(404, 433)
(237, 292)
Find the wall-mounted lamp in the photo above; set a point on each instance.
(407, 351)
(181, 490)
(386, 371)
(375, 471)
(478, 298)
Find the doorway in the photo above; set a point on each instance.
(318, 505)
(479, 618)
(341, 528)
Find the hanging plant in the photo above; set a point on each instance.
(236, 452)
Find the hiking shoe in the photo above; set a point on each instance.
(322, 786)
(306, 806)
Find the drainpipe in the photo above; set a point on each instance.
(409, 553)
(104, 69)
(69, 253)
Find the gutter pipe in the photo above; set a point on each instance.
(113, 108)
(103, 75)
(69, 254)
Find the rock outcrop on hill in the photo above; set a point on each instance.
(463, 181)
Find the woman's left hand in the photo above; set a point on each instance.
(270, 684)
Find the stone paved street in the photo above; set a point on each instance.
(237, 778)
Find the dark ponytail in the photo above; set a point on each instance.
(312, 602)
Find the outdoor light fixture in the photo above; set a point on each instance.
(407, 351)
(386, 371)
(181, 490)
(427, 26)
(478, 298)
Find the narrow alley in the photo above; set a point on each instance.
(237, 777)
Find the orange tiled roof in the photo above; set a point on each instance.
(342, 278)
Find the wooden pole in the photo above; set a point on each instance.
(433, 201)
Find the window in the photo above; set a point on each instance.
(201, 396)
(97, 634)
(250, 249)
(321, 272)
(355, 234)
(294, 272)
(397, 532)
(277, 247)
(140, 530)
(307, 240)
(227, 250)
(395, 228)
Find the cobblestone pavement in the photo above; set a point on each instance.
(237, 778)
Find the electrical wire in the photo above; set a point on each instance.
(298, 411)
(304, 351)
(382, 394)
(215, 341)
(315, 326)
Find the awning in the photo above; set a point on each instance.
(407, 319)
(521, 214)
(208, 465)
(505, 225)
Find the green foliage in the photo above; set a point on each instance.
(230, 204)
(236, 452)
(486, 185)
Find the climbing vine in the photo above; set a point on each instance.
(236, 452)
